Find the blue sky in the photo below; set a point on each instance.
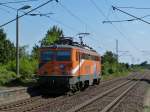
(84, 17)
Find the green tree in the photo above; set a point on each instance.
(110, 65)
(35, 52)
(144, 63)
(109, 62)
(52, 36)
(109, 57)
(23, 51)
(7, 49)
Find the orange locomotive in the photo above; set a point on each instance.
(68, 65)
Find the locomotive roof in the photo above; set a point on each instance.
(67, 42)
(87, 50)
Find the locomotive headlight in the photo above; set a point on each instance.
(62, 66)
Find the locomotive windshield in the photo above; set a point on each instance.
(63, 55)
(47, 56)
(57, 55)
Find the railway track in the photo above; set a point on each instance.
(105, 101)
(28, 104)
(65, 104)
(39, 103)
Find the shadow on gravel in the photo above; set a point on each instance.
(145, 80)
(36, 91)
(33, 91)
(142, 80)
(17, 82)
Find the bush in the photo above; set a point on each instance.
(28, 67)
(110, 71)
(5, 75)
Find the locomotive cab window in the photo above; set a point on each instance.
(46, 56)
(63, 55)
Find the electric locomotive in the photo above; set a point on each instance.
(68, 65)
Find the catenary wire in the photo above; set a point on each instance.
(77, 18)
(118, 30)
(16, 2)
(133, 8)
(126, 20)
(27, 12)
(115, 8)
(4, 10)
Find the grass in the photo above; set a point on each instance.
(114, 75)
(122, 74)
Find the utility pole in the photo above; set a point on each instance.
(117, 56)
(117, 50)
(17, 37)
(17, 45)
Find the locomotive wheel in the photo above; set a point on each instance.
(86, 84)
(98, 81)
(74, 88)
(78, 86)
(82, 86)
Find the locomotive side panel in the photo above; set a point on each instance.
(86, 67)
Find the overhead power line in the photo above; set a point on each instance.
(127, 20)
(55, 20)
(8, 7)
(119, 31)
(98, 9)
(28, 12)
(60, 22)
(76, 17)
(4, 10)
(115, 8)
(132, 8)
(16, 2)
(72, 14)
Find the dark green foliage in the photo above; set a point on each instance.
(110, 71)
(52, 36)
(109, 57)
(28, 67)
(28, 63)
(127, 66)
(144, 63)
(7, 49)
(110, 65)
(6, 75)
(35, 52)
(23, 51)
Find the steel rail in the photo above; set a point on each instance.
(114, 102)
(18, 103)
(110, 105)
(23, 102)
(78, 107)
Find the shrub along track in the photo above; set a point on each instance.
(62, 103)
